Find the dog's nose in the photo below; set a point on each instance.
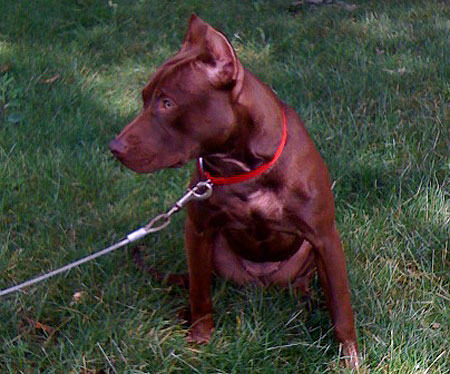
(118, 147)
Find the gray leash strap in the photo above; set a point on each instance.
(64, 268)
(201, 191)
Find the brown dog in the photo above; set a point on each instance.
(271, 217)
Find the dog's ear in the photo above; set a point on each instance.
(195, 33)
(216, 54)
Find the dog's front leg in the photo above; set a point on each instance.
(199, 251)
(333, 278)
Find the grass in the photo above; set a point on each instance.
(372, 85)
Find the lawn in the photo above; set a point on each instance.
(372, 84)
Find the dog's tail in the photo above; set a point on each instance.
(170, 279)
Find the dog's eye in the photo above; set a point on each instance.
(167, 104)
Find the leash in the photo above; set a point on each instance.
(201, 191)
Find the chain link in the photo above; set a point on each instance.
(201, 191)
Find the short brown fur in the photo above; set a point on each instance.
(278, 228)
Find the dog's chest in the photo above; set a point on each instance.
(264, 203)
(262, 206)
(256, 227)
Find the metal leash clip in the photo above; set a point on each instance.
(201, 191)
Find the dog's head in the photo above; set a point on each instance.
(187, 109)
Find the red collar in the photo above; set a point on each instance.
(252, 174)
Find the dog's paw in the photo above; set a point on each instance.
(351, 356)
(201, 331)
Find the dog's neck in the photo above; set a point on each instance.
(258, 135)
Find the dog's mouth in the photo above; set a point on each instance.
(177, 165)
(149, 165)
